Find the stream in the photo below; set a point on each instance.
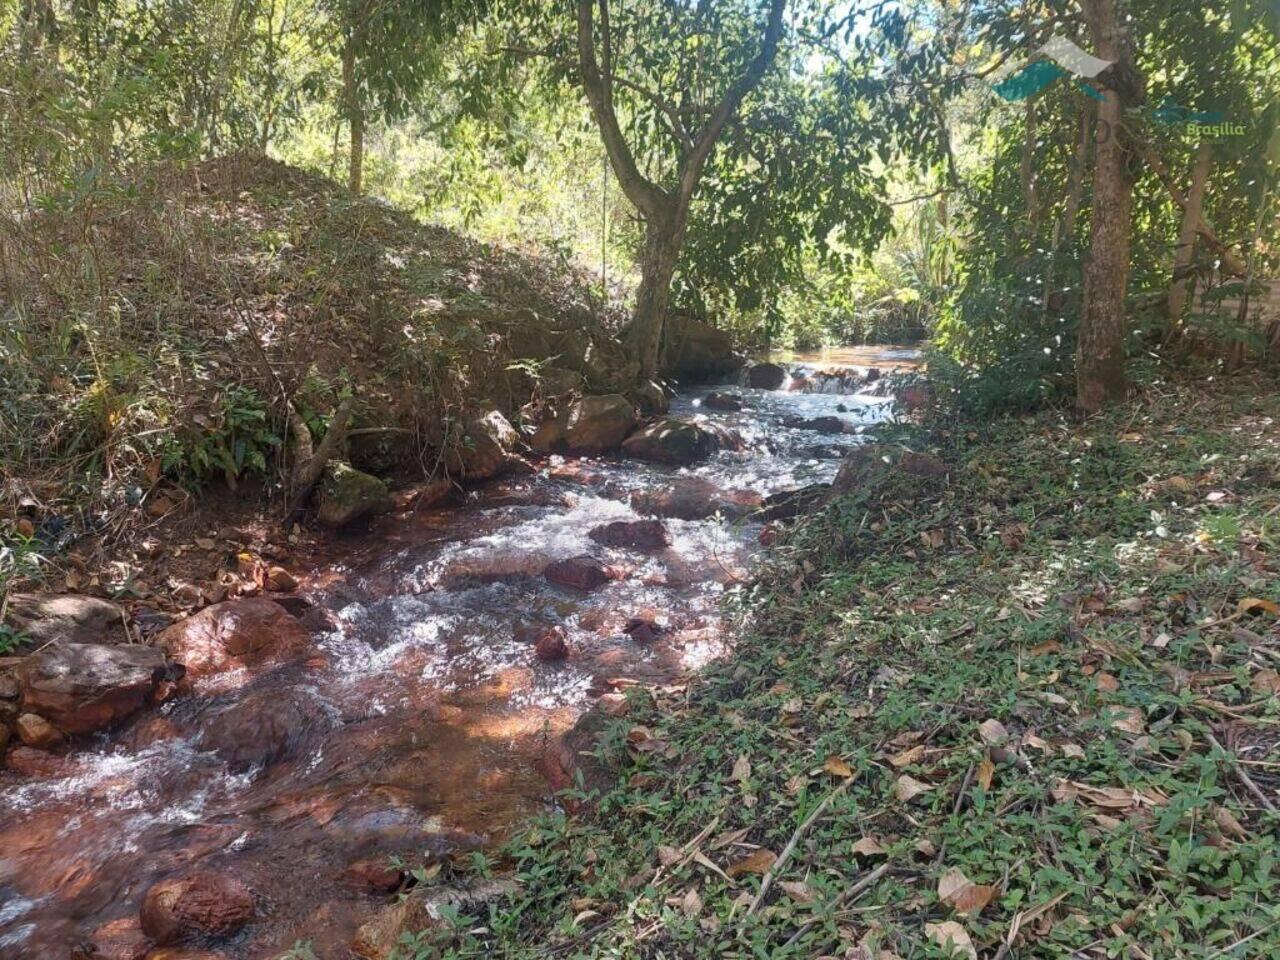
(420, 725)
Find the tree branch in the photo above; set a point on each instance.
(648, 197)
(691, 170)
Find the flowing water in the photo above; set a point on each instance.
(421, 724)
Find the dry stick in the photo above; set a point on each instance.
(309, 471)
(844, 899)
(790, 848)
(1243, 777)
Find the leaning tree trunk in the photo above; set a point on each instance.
(355, 117)
(662, 238)
(1184, 254)
(1100, 351)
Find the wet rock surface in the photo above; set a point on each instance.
(413, 715)
(86, 687)
(64, 618)
(637, 534)
(678, 442)
(234, 633)
(347, 495)
(587, 426)
(199, 904)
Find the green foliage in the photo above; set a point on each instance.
(234, 439)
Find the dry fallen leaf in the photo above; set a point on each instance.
(993, 732)
(1266, 681)
(868, 847)
(905, 788)
(951, 883)
(799, 891)
(1073, 750)
(758, 861)
(952, 936)
(907, 757)
(962, 894)
(1256, 605)
(837, 767)
(668, 855)
(1228, 823)
(1106, 682)
(691, 903)
(1122, 799)
(986, 772)
(742, 769)
(1128, 719)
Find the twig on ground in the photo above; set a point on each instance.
(790, 848)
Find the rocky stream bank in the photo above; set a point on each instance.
(319, 721)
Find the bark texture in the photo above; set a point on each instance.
(1100, 353)
(1184, 253)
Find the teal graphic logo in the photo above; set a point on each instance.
(1060, 58)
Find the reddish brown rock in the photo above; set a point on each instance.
(377, 875)
(35, 731)
(30, 762)
(827, 424)
(260, 728)
(199, 904)
(63, 618)
(694, 498)
(234, 633)
(581, 573)
(679, 442)
(718, 400)
(121, 939)
(644, 629)
(766, 376)
(85, 687)
(551, 645)
(485, 447)
(588, 426)
(639, 534)
(916, 397)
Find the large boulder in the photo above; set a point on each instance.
(197, 905)
(486, 447)
(767, 376)
(234, 633)
(695, 498)
(260, 728)
(588, 426)
(62, 618)
(722, 400)
(696, 352)
(826, 424)
(637, 534)
(346, 494)
(867, 465)
(580, 573)
(85, 687)
(651, 399)
(678, 442)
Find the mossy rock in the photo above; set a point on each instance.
(347, 494)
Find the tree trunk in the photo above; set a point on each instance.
(1100, 351)
(355, 117)
(663, 236)
(1184, 253)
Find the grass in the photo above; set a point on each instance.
(1026, 711)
